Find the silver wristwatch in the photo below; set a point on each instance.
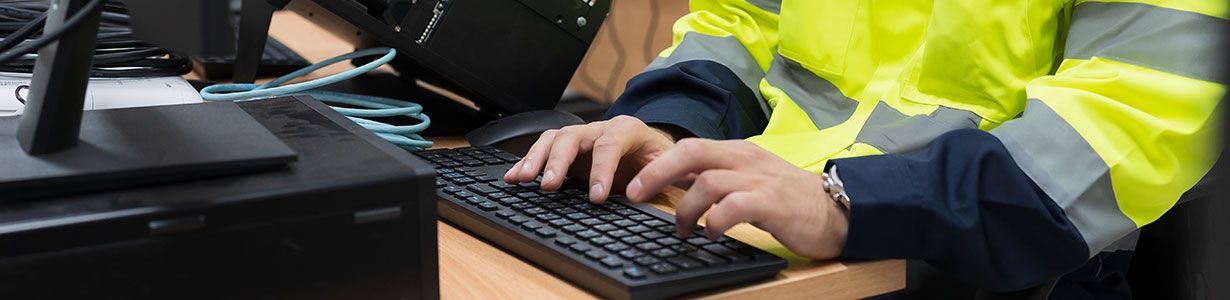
(835, 188)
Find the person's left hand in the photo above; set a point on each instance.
(744, 183)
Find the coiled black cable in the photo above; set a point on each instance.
(117, 52)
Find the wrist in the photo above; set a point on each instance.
(671, 132)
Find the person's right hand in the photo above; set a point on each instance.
(621, 145)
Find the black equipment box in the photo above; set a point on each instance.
(354, 217)
(508, 56)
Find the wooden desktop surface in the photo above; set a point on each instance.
(472, 268)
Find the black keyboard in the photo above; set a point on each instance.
(276, 60)
(618, 249)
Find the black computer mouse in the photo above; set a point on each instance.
(516, 133)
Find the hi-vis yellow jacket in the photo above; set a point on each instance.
(1106, 110)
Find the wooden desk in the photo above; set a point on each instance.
(471, 268)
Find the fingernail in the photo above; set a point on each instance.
(527, 166)
(548, 176)
(594, 192)
(634, 189)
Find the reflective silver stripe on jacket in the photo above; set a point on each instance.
(726, 51)
(1067, 169)
(1168, 40)
(891, 131)
(773, 6)
(823, 102)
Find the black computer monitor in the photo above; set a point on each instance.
(55, 148)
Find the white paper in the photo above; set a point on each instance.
(106, 93)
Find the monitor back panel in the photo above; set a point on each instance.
(508, 56)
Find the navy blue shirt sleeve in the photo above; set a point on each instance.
(962, 205)
(702, 97)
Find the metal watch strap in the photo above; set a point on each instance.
(835, 188)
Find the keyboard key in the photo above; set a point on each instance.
(560, 223)
(664, 253)
(440, 182)
(577, 216)
(684, 262)
(633, 239)
(707, 258)
(565, 241)
(682, 248)
(663, 268)
(574, 192)
(527, 195)
(648, 246)
(615, 247)
(579, 247)
(591, 222)
(531, 225)
(509, 200)
(601, 240)
(724, 252)
(472, 162)
(452, 188)
(488, 206)
(699, 240)
(546, 217)
(611, 262)
(464, 180)
(640, 217)
(475, 200)
(518, 219)
(588, 234)
(483, 188)
(605, 227)
(501, 195)
(631, 253)
(544, 232)
(610, 217)
(646, 260)
(624, 223)
(574, 228)
(595, 254)
(655, 223)
(634, 273)
(475, 173)
(653, 235)
(638, 229)
(452, 175)
(504, 213)
(667, 241)
(626, 211)
(500, 185)
(534, 211)
(506, 157)
(522, 206)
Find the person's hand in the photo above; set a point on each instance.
(744, 183)
(621, 145)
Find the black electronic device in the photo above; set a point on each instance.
(276, 60)
(508, 56)
(617, 249)
(516, 133)
(135, 146)
(353, 218)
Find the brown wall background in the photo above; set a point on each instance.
(632, 36)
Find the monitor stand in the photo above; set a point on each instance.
(54, 148)
(130, 147)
